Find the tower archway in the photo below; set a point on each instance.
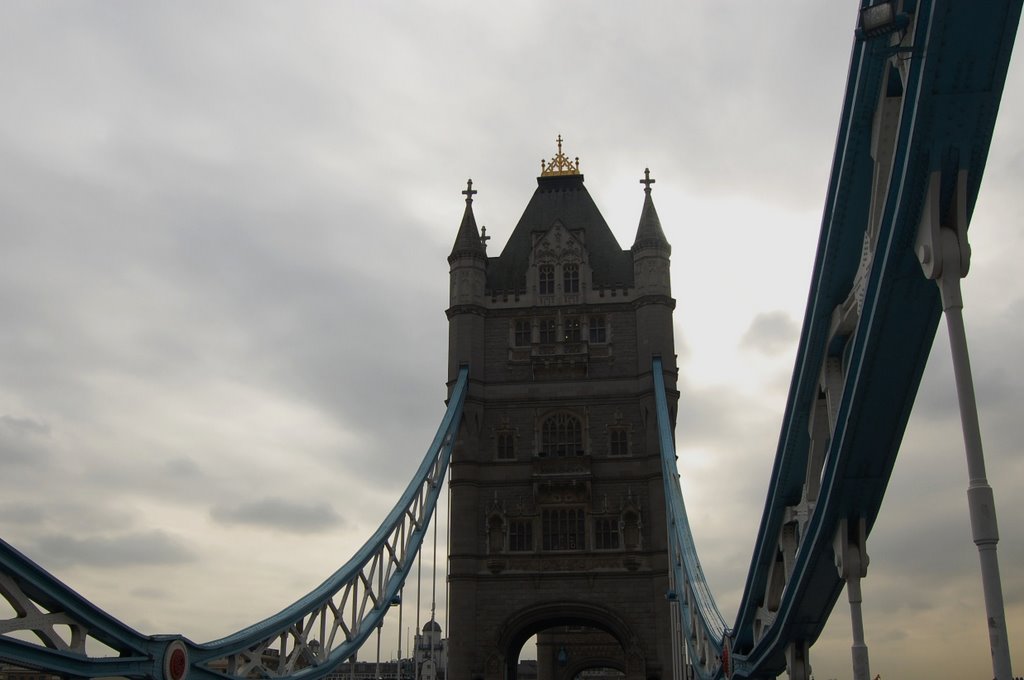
(616, 645)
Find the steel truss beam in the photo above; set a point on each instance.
(305, 641)
(921, 103)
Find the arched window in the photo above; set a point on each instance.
(561, 435)
(505, 443)
(571, 278)
(606, 533)
(546, 279)
(520, 535)
(571, 326)
(563, 529)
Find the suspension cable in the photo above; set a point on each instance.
(419, 587)
(380, 624)
(376, 673)
(433, 579)
(401, 606)
(355, 592)
(447, 572)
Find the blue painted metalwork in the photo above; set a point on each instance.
(949, 80)
(304, 641)
(702, 624)
(919, 109)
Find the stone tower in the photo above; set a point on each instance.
(557, 504)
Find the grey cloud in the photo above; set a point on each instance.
(150, 548)
(151, 593)
(23, 441)
(23, 514)
(23, 426)
(771, 333)
(278, 513)
(185, 468)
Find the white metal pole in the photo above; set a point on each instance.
(859, 649)
(945, 255)
(850, 550)
(980, 499)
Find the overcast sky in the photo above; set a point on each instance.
(223, 281)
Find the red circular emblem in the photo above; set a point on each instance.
(176, 661)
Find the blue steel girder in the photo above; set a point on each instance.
(305, 641)
(698, 616)
(921, 103)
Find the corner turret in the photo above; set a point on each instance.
(467, 278)
(651, 249)
(651, 258)
(468, 242)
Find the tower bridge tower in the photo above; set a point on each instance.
(557, 503)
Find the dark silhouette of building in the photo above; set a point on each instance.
(557, 512)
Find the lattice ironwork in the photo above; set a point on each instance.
(306, 640)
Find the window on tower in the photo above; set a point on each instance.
(520, 535)
(598, 332)
(562, 529)
(606, 533)
(506, 445)
(547, 331)
(618, 442)
(571, 278)
(522, 333)
(572, 329)
(561, 435)
(546, 279)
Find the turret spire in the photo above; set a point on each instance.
(649, 233)
(468, 241)
(647, 181)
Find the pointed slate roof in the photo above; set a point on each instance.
(561, 198)
(467, 241)
(649, 232)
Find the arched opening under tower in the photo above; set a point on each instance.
(579, 653)
(574, 640)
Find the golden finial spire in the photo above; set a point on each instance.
(560, 164)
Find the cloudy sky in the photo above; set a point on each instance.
(223, 282)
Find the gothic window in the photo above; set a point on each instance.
(618, 441)
(572, 329)
(606, 533)
(547, 331)
(520, 535)
(571, 278)
(561, 435)
(522, 333)
(562, 529)
(598, 334)
(546, 279)
(506, 445)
